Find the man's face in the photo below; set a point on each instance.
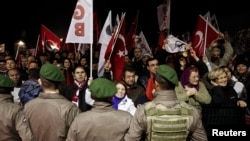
(14, 75)
(80, 75)
(33, 65)
(152, 66)
(137, 53)
(24, 61)
(2, 66)
(129, 78)
(10, 64)
(215, 56)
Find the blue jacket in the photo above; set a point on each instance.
(29, 90)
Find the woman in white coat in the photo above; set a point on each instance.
(121, 101)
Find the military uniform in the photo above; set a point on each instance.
(13, 127)
(102, 122)
(168, 100)
(50, 114)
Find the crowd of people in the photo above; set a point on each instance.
(161, 96)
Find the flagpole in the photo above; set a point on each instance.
(205, 40)
(17, 51)
(117, 30)
(169, 10)
(91, 60)
(216, 22)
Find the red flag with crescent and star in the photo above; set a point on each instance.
(116, 55)
(202, 36)
(48, 41)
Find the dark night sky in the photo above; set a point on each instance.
(21, 19)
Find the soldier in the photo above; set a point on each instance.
(50, 114)
(13, 127)
(165, 117)
(102, 122)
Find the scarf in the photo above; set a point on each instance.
(75, 97)
(149, 88)
(185, 79)
(116, 100)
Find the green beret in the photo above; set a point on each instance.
(51, 72)
(168, 73)
(102, 88)
(6, 82)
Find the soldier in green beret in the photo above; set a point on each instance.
(12, 123)
(102, 122)
(165, 117)
(50, 114)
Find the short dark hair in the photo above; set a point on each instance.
(34, 73)
(129, 69)
(164, 83)
(151, 59)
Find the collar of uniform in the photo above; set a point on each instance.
(102, 106)
(166, 95)
(51, 96)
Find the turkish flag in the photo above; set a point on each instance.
(48, 41)
(116, 50)
(202, 36)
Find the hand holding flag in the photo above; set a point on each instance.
(202, 36)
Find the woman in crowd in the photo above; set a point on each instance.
(121, 101)
(68, 70)
(242, 73)
(226, 109)
(238, 86)
(191, 89)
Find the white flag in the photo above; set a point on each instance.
(207, 16)
(117, 19)
(174, 45)
(163, 15)
(106, 32)
(104, 39)
(144, 45)
(81, 26)
(214, 22)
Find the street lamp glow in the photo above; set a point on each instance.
(21, 44)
